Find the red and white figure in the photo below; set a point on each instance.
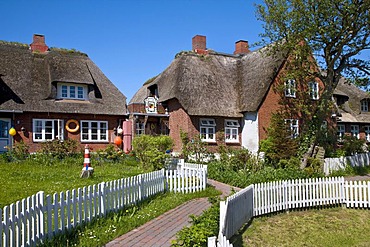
(87, 158)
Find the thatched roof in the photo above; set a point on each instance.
(28, 82)
(350, 111)
(215, 84)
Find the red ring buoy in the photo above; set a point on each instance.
(72, 130)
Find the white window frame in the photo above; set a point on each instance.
(355, 131)
(364, 105)
(293, 125)
(99, 131)
(231, 130)
(40, 132)
(367, 133)
(140, 128)
(207, 129)
(341, 130)
(314, 90)
(68, 93)
(290, 88)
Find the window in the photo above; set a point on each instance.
(231, 131)
(207, 130)
(47, 129)
(293, 128)
(94, 131)
(71, 91)
(290, 88)
(367, 133)
(364, 105)
(140, 128)
(340, 131)
(355, 131)
(314, 90)
(164, 127)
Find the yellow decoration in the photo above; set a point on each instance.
(76, 124)
(12, 131)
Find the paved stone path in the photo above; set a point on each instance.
(160, 231)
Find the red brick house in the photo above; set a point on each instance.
(353, 115)
(49, 93)
(223, 98)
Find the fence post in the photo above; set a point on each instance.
(211, 242)
(102, 198)
(164, 174)
(40, 211)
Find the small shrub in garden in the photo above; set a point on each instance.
(60, 149)
(110, 154)
(203, 226)
(151, 150)
(18, 152)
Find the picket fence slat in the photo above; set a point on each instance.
(29, 221)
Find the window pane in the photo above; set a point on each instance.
(80, 92)
(64, 91)
(72, 91)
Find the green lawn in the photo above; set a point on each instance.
(19, 180)
(326, 227)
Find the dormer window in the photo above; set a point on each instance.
(364, 105)
(72, 91)
(290, 88)
(314, 90)
(153, 91)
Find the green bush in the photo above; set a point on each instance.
(110, 154)
(18, 152)
(203, 226)
(194, 147)
(242, 178)
(60, 149)
(151, 150)
(240, 159)
(352, 145)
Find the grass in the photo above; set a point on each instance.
(23, 179)
(325, 227)
(103, 230)
(27, 177)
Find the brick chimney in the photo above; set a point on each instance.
(199, 44)
(241, 47)
(38, 44)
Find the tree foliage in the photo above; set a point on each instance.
(324, 40)
(336, 31)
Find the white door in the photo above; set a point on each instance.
(5, 138)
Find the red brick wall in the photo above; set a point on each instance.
(140, 108)
(25, 120)
(180, 120)
(271, 104)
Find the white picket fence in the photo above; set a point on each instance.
(29, 221)
(335, 164)
(265, 198)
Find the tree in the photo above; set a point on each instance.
(335, 32)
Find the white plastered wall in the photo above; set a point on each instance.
(250, 138)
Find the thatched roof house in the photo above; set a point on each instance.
(217, 84)
(209, 84)
(38, 82)
(352, 102)
(28, 82)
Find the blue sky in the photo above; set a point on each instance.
(130, 40)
